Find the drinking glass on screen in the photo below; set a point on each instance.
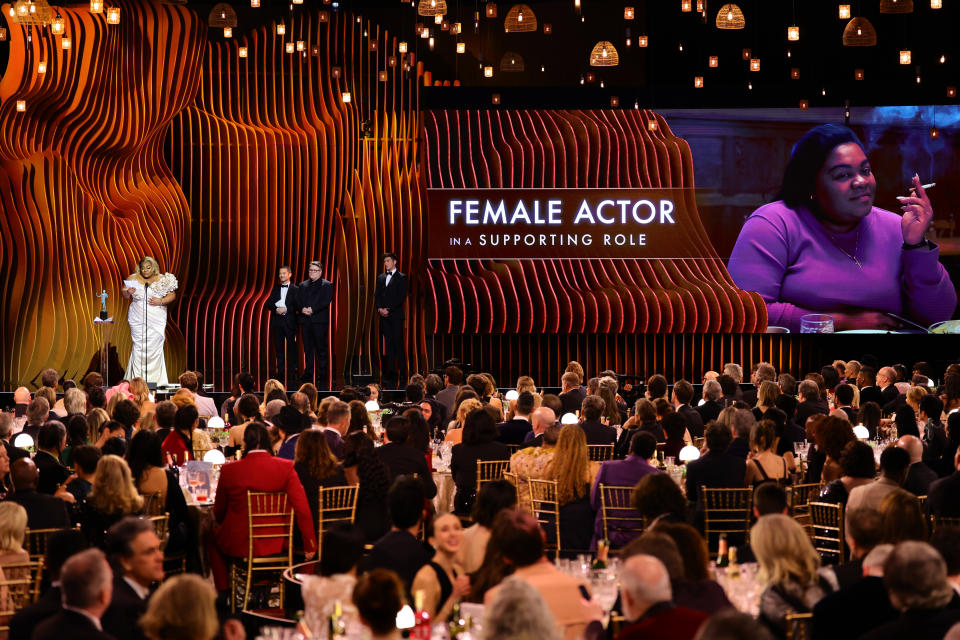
(816, 323)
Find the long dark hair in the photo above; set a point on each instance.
(806, 159)
(145, 451)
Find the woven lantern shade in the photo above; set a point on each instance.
(520, 19)
(32, 13)
(730, 17)
(222, 15)
(432, 7)
(511, 62)
(896, 6)
(604, 54)
(859, 33)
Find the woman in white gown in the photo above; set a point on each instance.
(146, 358)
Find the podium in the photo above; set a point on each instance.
(103, 334)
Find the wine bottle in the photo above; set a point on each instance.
(337, 625)
(603, 547)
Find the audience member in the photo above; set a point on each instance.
(258, 470)
(789, 569)
(712, 403)
(443, 581)
(341, 552)
(515, 430)
(944, 497)
(732, 625)
(623, 473)
(363, 467)
(647, 601)
(741, 425)
(86, 583)
(832, 619)
(573, 472)
(519, 612)
(112, 496)
(658, 498)
(520, 540)
(831, 435)
(919, 475)
(13, 528)
(478, 444)
(862, 531)
(764, 464)
(133, 546)
(894, 463)
(43, 511)
(591, 414)
(811, 401)
(493, 498)
(902, 518)
(378, 597)
(916, 580)
(183, 608)
(51, 440)
(402, 459)
(399, 550)
(858, 468)
(716, 469)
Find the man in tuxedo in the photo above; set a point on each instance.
(919, 475)
(867, 382)
(135, 549)
(681, 397)
(843, 396)
(712, 401)
(831, 616)
(590, 414)
(515, 431)
(61, 545)
(51, 440)
(935, 439)
(313, 298)
(282, 307)
(86, 582)
(812, 403)
(763, 372)
(716, 469)
(43, 511)
(399, 550)
(862, 531)
(647, 600)
(571, 393)
(389, 296)
(944, 496)
(403, 460)
(889, 394)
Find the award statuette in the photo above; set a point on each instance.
(103, 304)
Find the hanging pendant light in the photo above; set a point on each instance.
(604, 54)
(859, 33)
(520, 19)
(896, 6)
(730, 17)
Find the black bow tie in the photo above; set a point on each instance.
(284, 286)
(390, 273)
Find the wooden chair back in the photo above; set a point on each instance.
(827, 521)
(336, 504)
(600, 452)
(800, 496)
(153, 504)
(726, 511)
(19, 588)
(546, 509)
(618, 516)
(489, 470)
(35, 541)
(943, 521)
(799, 625)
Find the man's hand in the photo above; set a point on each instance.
(383, 312)
(307, 311)
(64, 495)
(282, 311)
(310, 555)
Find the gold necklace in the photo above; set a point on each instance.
(856, 248)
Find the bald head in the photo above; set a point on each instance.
(644, 582)
(542, 418)
(24, 474)
(913, 446)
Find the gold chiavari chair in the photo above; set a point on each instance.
(489, 470)
(798, 625)
(153, 504)
(827, 522)
(19, 588)
(546, 509)
(618, 516)
(726, 511)
(943, 521)
(269, 519)
(35, 541)
(800, 495)
(336, 504)
(514, 448)
(600, 452)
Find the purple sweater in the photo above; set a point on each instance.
(787, 257)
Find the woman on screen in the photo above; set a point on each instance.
(823, 247)
(148, 320)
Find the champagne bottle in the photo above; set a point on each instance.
(421, 622)
(457, 624)
(337, 625)
(722, 558)
(603, 548)
(733, 568)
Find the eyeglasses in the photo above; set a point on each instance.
(314, 269)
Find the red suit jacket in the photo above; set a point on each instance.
(258, 471)
(665, 622)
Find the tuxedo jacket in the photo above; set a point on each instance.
(259, 471)
(290, 318)
(693, 420)
(318, 296)
(391, 297)
(68, 624)
(126, 607)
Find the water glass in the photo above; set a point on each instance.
(816, 323)
(669, 460)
